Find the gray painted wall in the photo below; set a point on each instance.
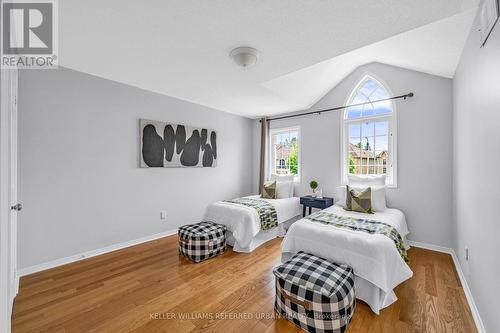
(424, 148)
(79, 179)
(476, 129)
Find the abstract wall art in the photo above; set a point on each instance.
(165, 145)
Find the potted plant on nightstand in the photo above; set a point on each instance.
(313, 185)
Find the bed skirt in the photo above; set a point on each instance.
(262, 237)
(365, 290)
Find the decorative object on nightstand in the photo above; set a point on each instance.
(313, 185)
(309, 201)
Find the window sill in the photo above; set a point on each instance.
(391, 186)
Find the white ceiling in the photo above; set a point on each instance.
(434, 48)
(180, 48)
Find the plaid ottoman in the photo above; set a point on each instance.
(202, 240)
(315, 294)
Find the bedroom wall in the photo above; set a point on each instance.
(476, 181)
(79, 179)
(424, 148)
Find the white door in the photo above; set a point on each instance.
(8, 195)
(15, 206)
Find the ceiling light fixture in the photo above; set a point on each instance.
(244, 56)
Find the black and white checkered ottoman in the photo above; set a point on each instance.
(315, 294)
(202, 240)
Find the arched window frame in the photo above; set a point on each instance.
(391, 180)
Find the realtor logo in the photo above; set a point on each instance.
(29, 34)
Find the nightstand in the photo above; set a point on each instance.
(309, 201)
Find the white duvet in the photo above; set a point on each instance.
(375, 259)
(244, 222)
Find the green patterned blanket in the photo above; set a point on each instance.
(364, 225)
(266, 211)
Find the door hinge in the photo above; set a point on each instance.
(17, 207)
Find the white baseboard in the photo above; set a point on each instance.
(15, 291)
(468, 294)
(16, 284)
(89, 254)
(463, 281)
(432, 247)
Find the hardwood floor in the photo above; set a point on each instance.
(149, 288)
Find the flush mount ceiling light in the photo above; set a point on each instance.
(244, 56)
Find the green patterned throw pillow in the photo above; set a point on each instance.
(269, 190)
(359, 201)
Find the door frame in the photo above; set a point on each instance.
(13, 91)
(8, 148)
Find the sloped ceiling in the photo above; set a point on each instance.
(434, 49)
(180, 48)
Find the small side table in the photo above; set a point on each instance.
(309, 201)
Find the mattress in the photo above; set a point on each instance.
(244, 223)
(375, 259)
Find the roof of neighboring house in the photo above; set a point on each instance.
(356, 152)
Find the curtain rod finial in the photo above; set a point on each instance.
(410, 94)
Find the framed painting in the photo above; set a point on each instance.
(165, 145)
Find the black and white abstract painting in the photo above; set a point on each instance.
(165, 145)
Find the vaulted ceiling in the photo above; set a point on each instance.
(180, 48)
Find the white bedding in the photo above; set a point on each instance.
(244, 223)
(375, 259)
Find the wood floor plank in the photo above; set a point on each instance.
(150, 288)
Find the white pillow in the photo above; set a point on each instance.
(340, 192)
(284, 189)
(284, 178)
(378, 196)
(365, 180)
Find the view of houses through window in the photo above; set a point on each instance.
(285, 151)
(368, 147)
(368, 130)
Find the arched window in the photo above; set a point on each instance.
(369, 132)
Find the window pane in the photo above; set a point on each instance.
(382, 161)
(369, 87)
(377, 169)
(285, 150)
(369, 144)
(381, 155)
(379, 93)
(367, 129)
(355, 142)
(383, 107)
(368, 110)
(359, 98)
(353, 162)
(354, 112)
(381, 142)
(354, 130)
(369, 91)
(381, 127)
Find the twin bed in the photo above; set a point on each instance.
(378, 264)
(243, 224)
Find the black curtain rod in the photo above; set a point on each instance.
(340, 107)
